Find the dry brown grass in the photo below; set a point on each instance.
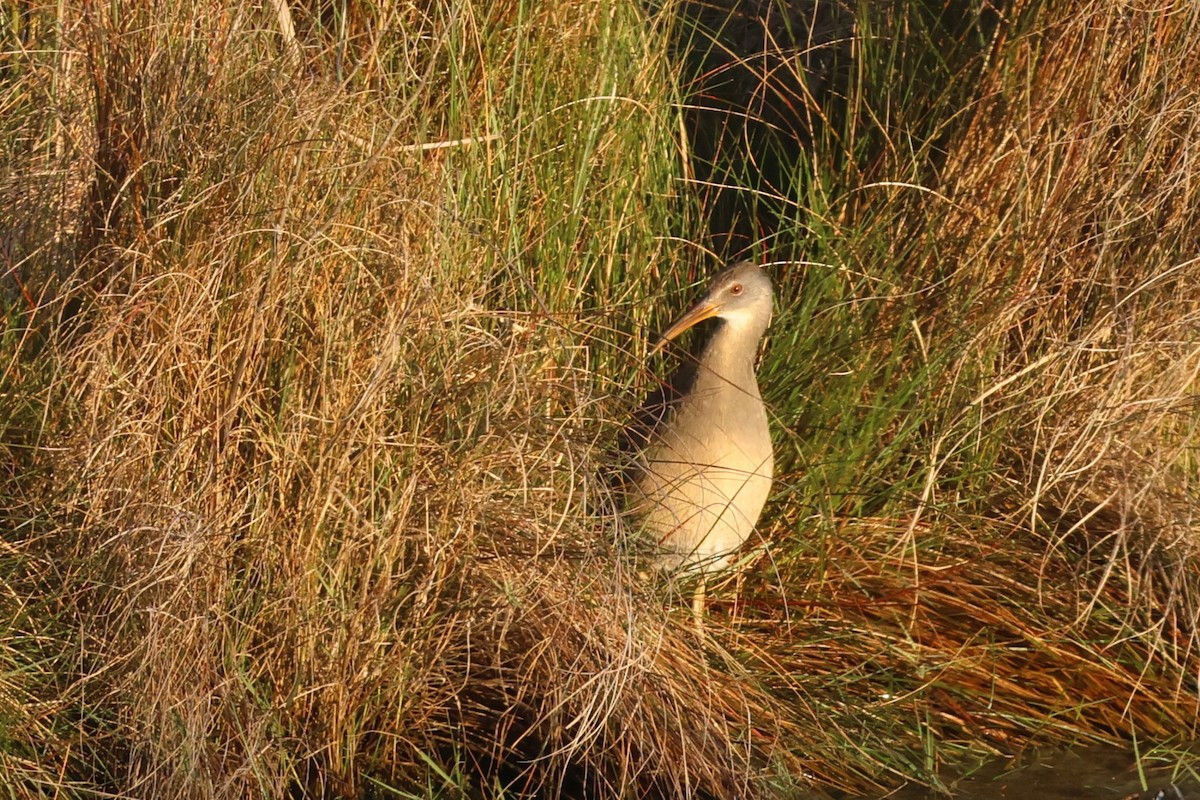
(317, 497)
(1090, 285)
(967, 643)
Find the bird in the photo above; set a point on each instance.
(704, 463)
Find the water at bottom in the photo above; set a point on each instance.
(1090, 773)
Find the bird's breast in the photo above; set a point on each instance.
(705, 479)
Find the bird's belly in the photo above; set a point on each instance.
(701, 511)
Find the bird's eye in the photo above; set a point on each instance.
(735, 289)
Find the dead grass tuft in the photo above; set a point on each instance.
(1089, 285)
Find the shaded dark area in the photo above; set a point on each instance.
(773, 86)
(1093, 772)
(760, 79)
(113, 211)
(656, 408)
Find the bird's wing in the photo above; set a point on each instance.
(651, 417)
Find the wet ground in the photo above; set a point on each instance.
(1082, 774)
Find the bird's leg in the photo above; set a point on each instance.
(699, 601)
(739, 580)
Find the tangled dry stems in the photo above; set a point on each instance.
(1097, 299)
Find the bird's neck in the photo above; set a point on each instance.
(727, 360)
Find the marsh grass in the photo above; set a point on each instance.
(316, 350)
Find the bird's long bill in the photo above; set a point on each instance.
(697, 313)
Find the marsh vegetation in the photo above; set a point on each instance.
(322, 320)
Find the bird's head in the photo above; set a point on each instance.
(739, 295)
